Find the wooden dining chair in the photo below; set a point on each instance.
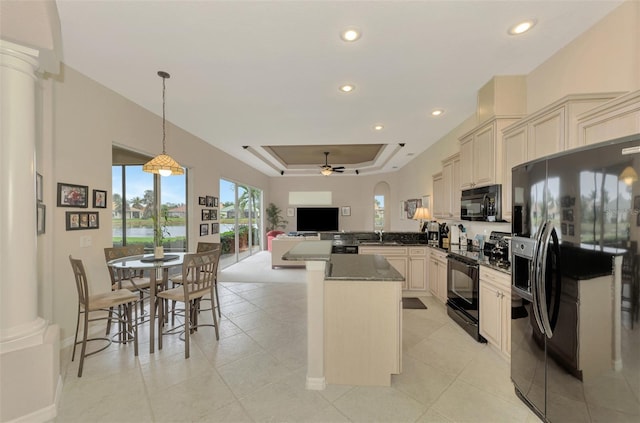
(103, 302)
(198, 270)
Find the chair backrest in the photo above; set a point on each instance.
(207, 246)
(198, 271)
(81, 280)
(113, 253)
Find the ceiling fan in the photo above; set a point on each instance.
(327, 169)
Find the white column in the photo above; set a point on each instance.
(29, 347)
(18, 291)
(315, 325)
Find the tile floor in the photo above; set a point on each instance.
(256, 373)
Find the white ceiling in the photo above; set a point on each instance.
(266, 73)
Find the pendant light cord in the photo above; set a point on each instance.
(164, 75)
(163, 118)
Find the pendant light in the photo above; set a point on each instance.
(628, 176)
(163, 164)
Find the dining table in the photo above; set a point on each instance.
(148, 262)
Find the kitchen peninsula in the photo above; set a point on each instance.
(354, 320)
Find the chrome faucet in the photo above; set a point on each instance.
(379, 232)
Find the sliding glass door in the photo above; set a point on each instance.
(240, 221)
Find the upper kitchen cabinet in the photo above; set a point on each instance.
(501, 102)
(480, 152)
(547, 131)
(617, 118)
(446, 189)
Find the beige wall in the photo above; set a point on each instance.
(88, 120)
(606, 58)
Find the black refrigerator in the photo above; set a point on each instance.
(575, 335)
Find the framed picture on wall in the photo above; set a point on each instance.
(40, 218)
(39, 195)
(209, 201)
(411, 207)
(205, 214)
(215, 201)
(345, 211)
(213, 214)
(202, 201)
(70, 195)
(204, 229)
(99, 199)
(215, 228)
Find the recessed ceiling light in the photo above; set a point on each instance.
(347, 88)
(378, 127)
(350, 34)
(522, 27)
(437, 112)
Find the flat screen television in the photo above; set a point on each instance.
(317, 219)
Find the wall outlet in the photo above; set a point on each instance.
(85, 241)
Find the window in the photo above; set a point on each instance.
(134, 204)
(381, 219)
(378, 201)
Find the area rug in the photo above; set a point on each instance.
(413, 303)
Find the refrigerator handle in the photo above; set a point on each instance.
(533, 278)
(542, 269)
(556, 303)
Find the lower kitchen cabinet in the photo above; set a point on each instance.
(495, 309)
(417, 279)
(411, 262)
(438, 275)
(396, 256)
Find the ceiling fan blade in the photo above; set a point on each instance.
(337, 167)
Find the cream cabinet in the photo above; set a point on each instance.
(515, 153)
(495, 309)
(438, 196)
(362, 332)
(417, 269)
(438, 275)
(446, 189)
(614, 119)
(547, 131)
(398, 257)
(480, 152)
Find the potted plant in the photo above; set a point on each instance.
(160, 231)
(274, 218)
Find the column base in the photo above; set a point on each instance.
(31, 384)
(316, 383)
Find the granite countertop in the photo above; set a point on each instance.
(309, 251)
(365, 267)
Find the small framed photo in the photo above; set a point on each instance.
(345, 211)
(99, 199)
(291, 212)
(213, 214)
(39, 195)
(215, 201)
(40, 218)
(202, 201)
(563, 228)
(84, 220)
(204, 229)
(209, 201)
(70, 195)
(571, 230)
(73, 221)
(94, 220)
(205, 214)
(215, 228)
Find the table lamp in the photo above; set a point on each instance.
(422, 213)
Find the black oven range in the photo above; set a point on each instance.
(463, 280)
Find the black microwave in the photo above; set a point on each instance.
(482, 204)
